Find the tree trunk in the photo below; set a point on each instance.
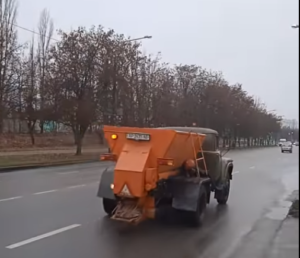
(79, 134)
(41, 127)
(31, 125)
(1, 116)
(75, 134)
(32, 138)
(78, 145)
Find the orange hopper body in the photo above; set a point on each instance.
(144, 156)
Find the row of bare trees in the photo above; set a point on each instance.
(93, 76)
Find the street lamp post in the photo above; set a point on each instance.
(145, 37)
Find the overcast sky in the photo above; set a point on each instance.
(250, 41)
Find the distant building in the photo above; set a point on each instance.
(20, 126)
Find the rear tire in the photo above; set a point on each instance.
(222, 196)
(196, 218)
(109, 206)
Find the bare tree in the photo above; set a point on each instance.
(74, 63)
(45, 29)
(8, 49)
(30, 110)
(21, 82)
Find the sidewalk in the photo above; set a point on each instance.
(286, 242)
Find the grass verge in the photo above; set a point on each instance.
(45, 159)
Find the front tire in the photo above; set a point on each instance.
(109, 206)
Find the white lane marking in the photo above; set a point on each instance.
(236, 172)
(50, 191)
(12, 198)
(94, 183)
(252, 167)
(67, 173)
(30, 240)
(75, 186)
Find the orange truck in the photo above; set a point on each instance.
(157, 171)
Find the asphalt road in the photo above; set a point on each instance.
(54, 212)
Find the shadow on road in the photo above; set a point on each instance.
(152, 238)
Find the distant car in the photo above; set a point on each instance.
(286, 147)
(296, 143)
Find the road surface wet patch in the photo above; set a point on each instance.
(282, 206)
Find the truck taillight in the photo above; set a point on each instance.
(108, 156)
(165, 162)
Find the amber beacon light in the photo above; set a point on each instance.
(114, 136)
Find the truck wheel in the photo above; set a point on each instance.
(196, 218)
(222, 196)
(109, 205)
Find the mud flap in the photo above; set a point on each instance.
(185, 194)
(107, 178)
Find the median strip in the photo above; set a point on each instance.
(37, 238)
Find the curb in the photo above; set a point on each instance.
(248, 148)
(42, 165)
(255, 147)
